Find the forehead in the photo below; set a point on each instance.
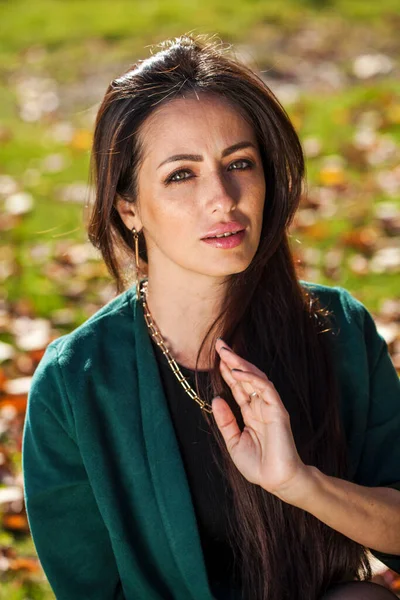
(193, 123)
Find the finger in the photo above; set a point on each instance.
(234, 360)
(240, 394)
(265, 388)
(226, 372)
(226, 422)
(226, 358)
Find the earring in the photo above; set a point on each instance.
(136, 236)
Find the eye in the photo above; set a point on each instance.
(173, 177)
(177, 176)
(248, 164)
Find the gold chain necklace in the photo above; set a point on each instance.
(157, 337)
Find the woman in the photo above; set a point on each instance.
(220, 429)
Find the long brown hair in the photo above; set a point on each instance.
(283, 551)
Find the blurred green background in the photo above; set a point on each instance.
(335, 67)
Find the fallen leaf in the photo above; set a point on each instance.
(15, 522)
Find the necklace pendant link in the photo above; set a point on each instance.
(157, 337)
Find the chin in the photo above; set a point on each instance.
(233, 270)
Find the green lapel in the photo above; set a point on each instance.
(167, 470)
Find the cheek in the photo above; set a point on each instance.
(257, 194)
(262, 189)
(176, 211)
(167, 222)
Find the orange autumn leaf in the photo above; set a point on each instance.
(15, 522)
(361, 239)
(18, 402)
(393, 114)
(36, 355)
(27, 564)
(3, 379)
(332, 176)
(297, 121)
(395, 585)
(82, 140)
(317, 231)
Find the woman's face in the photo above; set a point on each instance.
(180, 200)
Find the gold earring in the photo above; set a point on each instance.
(136, 236)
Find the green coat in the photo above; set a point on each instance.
(106, 493)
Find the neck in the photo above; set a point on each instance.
(183, 311)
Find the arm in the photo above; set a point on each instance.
(365, 509)
(368, 509)
(71, 539)
(367, 515)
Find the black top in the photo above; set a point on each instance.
(211, 496)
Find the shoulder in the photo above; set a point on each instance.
(102, 333)
(358, 345)
(354, 333)
(79, 365)
(346, 310)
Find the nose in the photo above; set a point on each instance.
(221, 195)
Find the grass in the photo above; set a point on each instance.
(51, 23)
(54, 23)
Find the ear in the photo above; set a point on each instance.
(128, 212)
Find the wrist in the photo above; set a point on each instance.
(302, 488)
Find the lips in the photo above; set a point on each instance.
(220, 228)
(221, 236)
(226, 242)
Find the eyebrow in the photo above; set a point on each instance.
(199, 158)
